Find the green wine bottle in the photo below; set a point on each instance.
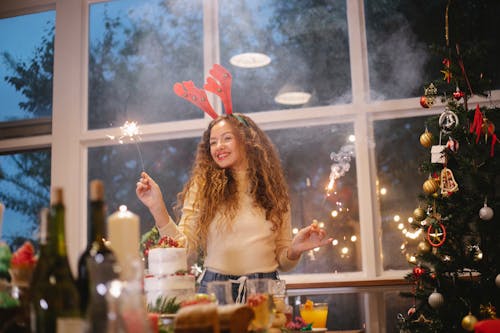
(55, 301)
(97, 265)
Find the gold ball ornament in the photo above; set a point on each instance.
(468, 322)
(426, 139)
(430, 186)
(419, 214)
(423, 247)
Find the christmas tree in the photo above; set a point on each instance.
(456, 268)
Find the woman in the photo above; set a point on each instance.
(235, 206)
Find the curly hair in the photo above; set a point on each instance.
(217, 187)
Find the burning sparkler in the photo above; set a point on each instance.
(130, 132)
(341, 165)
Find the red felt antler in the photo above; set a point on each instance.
(222, 88)
(197, 96)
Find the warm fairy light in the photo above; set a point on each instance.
(400, 226)
(335, 242)
(295, 231)
(396, 218)
(410, 219)
(321, 224)
(316, 249)
(334, 213)
(354, 238)
(413, 235)
(351, 138)
(403, 246)
(345, 250)
(383, 191)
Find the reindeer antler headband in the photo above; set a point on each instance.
(218, 83)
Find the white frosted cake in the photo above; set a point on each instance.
(167, 275)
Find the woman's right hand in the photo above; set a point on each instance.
(149, 192)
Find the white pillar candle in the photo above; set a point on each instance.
(124, 237)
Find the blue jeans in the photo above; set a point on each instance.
(209, 276)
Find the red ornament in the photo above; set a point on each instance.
(458, 94)
(424, 102)
(418, 271)
(452, 144)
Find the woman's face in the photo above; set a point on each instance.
(225, 148)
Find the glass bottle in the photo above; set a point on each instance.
(97, 265)
(55, 301)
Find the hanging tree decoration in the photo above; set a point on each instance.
(430, 94)
(426, 138)
(483, 126)
(436, 232)
(458, 94)
(486, 213)
(430, 186)
(448, 182)
(452, 144)
(436, 299)
(448, 121)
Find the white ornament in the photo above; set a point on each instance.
(486, 213)
(497, 280)
(437, 154)
(436, 300)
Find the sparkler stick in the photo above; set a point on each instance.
(130, 132)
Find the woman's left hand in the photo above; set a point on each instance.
(307, 238)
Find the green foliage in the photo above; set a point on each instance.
(463, 269)
(165, 305)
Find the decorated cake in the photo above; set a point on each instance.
(167, 279)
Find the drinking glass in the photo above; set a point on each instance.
(315, 315)
(221, 290)
(259, 298)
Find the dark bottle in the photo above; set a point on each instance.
(97, 265)
(55, 302)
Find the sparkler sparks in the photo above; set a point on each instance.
(130, 132)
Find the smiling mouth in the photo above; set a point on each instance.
(221, 156)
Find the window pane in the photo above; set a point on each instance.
(307, 44)
(417, 32)
(26, 66)
(168, 162)
(306, 154)
(138, 50)
(24, 190)
(398, 152)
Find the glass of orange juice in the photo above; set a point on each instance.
(314, 313)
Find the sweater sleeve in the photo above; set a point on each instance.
(184, 232)
(283, 242)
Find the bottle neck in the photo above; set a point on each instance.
(57, 238)
(96, 231)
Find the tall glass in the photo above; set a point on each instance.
(259, 298)
(222, 291)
